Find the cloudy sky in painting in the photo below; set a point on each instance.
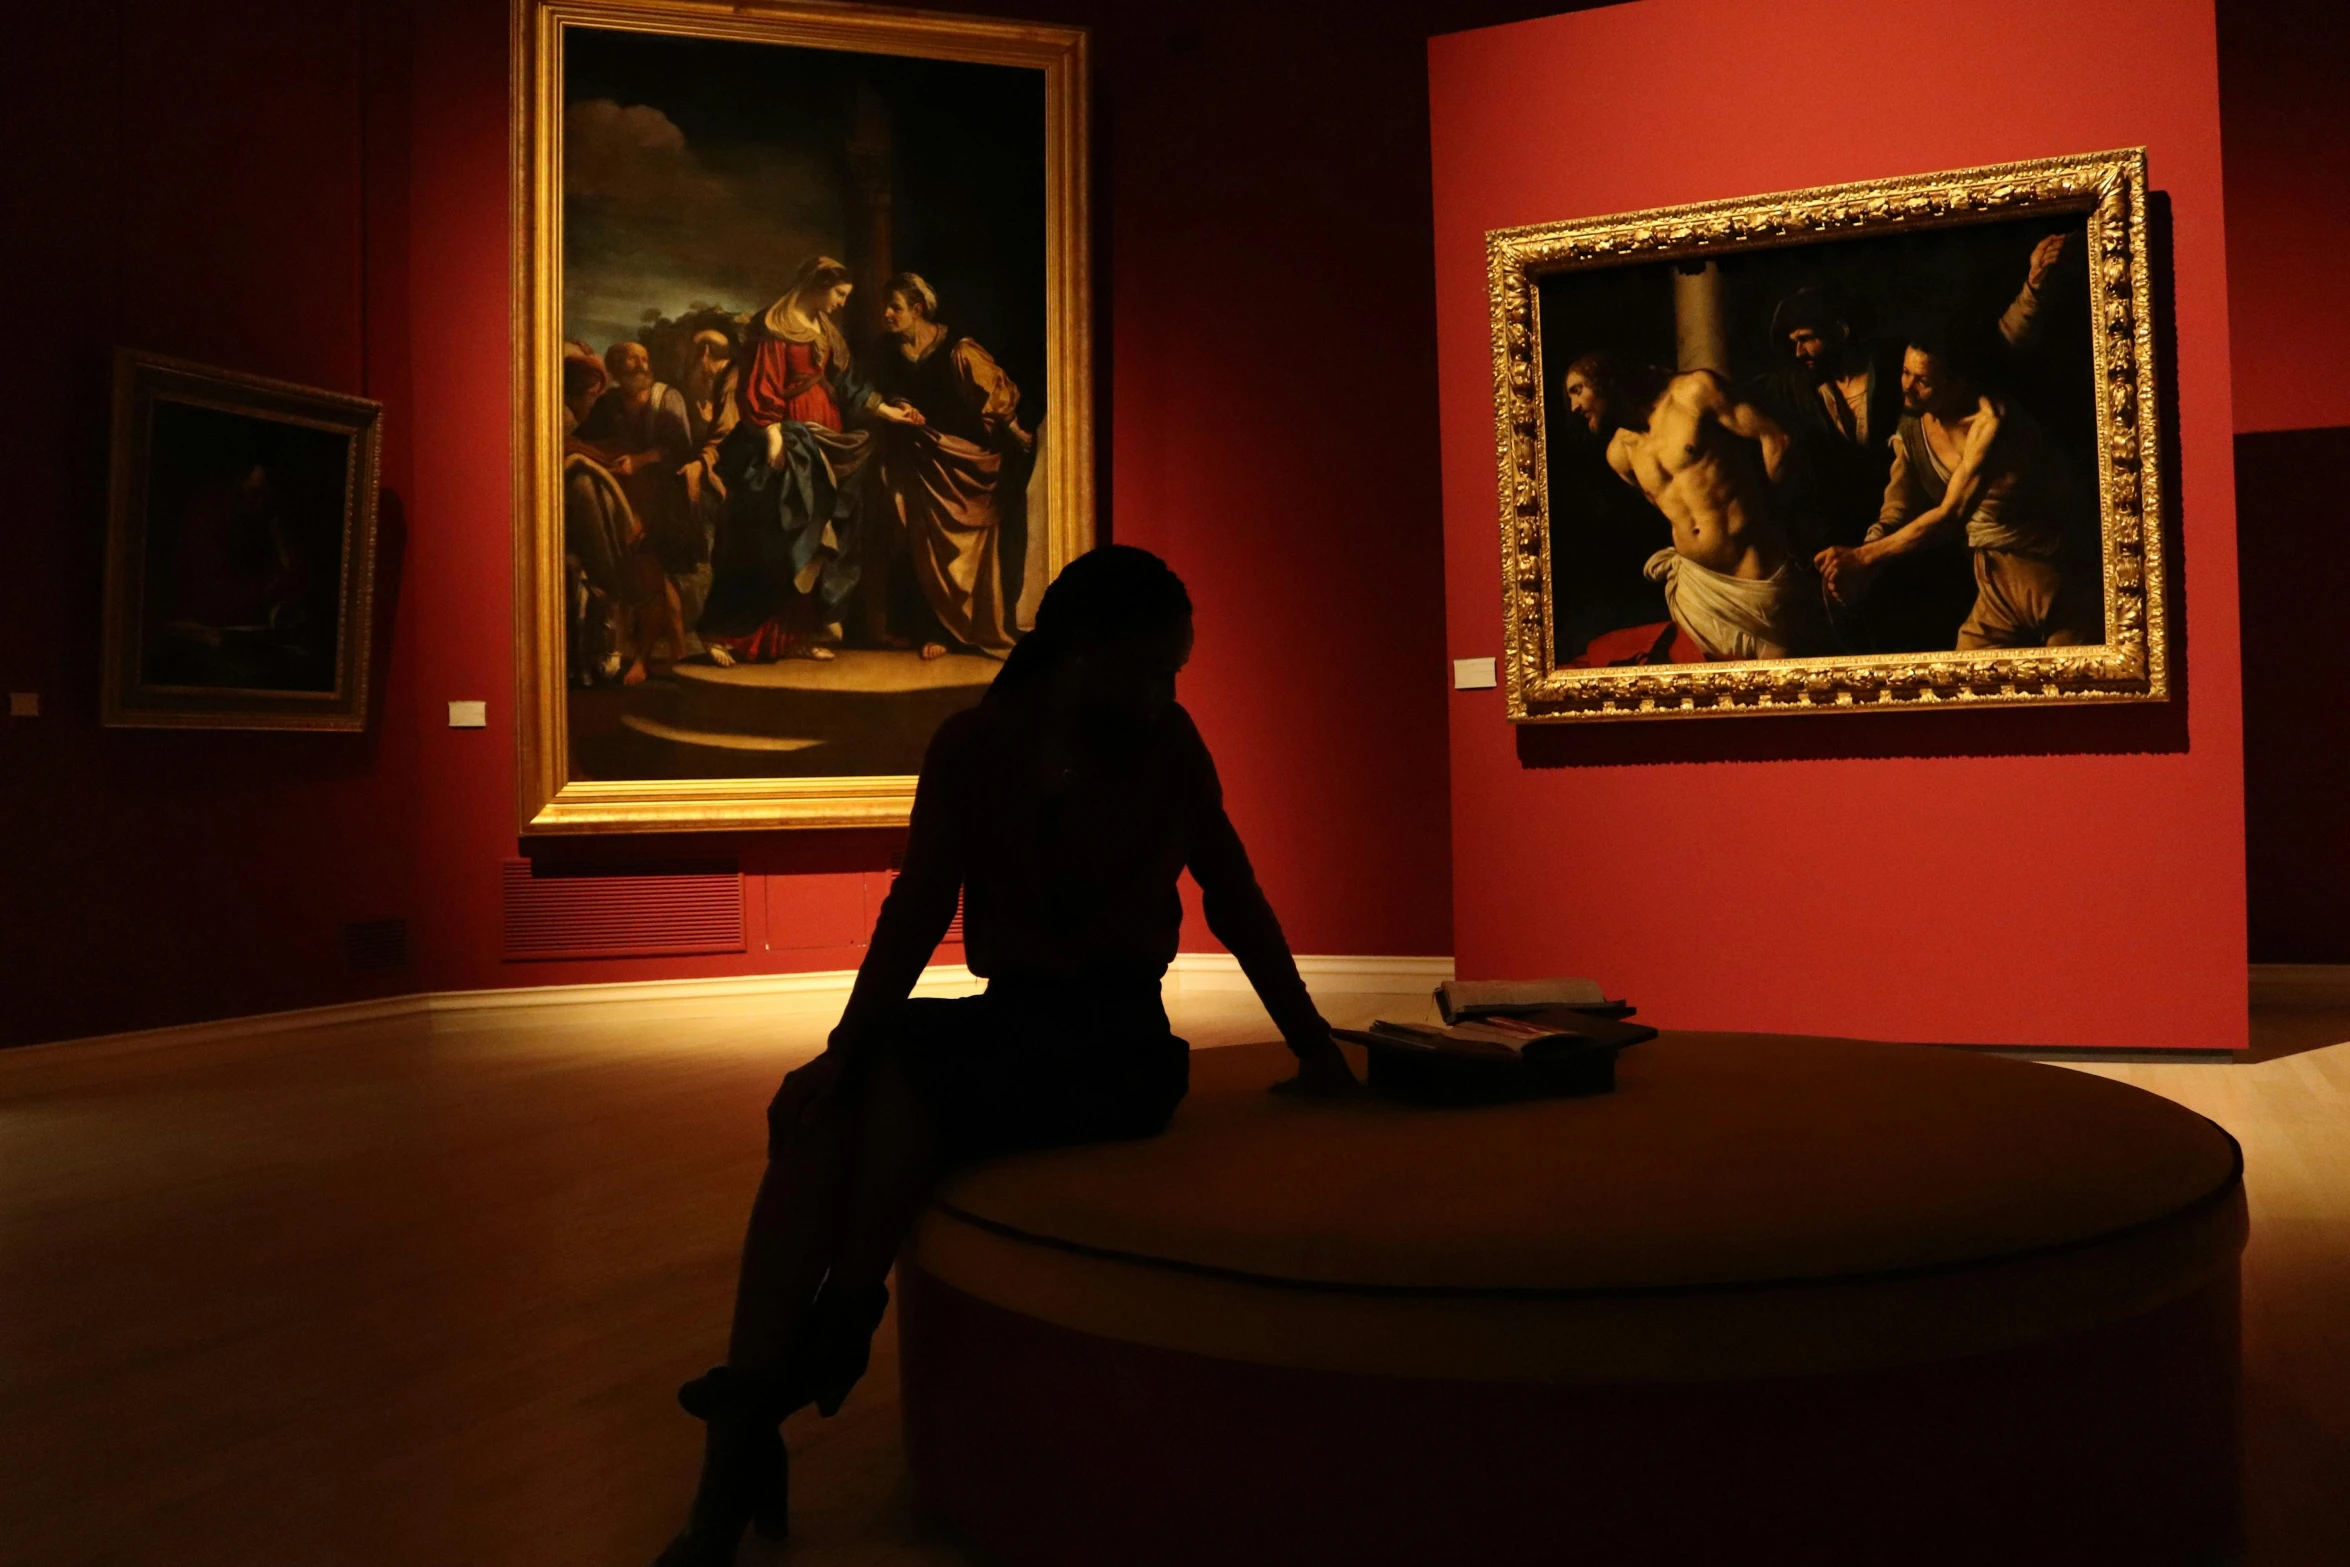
(706, 170)
(653, 222)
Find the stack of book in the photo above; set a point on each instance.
(1503, 1041)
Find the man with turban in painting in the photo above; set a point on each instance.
(950, 485)
(785, 563)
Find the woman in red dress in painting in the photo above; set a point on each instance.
(785, 563)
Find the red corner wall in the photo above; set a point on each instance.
(2283, 66)
(2070, 877)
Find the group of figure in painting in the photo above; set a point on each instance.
(777, 500)
(1863, 496)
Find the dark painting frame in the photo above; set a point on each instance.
(240, 551)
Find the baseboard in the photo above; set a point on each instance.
(2301, 984)
(1211, 972)
(1201, 972)
(258, 1025)
(815, 985)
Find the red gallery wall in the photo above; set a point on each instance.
(2056, 877)
(318, 190)
(219, 183)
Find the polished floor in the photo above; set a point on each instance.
(383, 1294)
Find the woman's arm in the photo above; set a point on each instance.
(920, 906)
(1243, 920)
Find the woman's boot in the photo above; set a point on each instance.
(746, 1475)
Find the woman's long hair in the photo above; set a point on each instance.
(1108, 592)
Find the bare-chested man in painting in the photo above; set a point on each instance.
(1707, 461)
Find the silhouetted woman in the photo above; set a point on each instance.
(1062, 808)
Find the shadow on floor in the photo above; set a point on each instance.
(2279, 1031)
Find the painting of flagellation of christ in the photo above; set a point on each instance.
(1864, 447)
(806, 432)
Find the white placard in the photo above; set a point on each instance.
(469, 715)
(1473, 674)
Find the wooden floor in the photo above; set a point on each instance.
(383, 1295)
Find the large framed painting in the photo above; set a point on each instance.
(1884, 446)
(240, 551)
(803, 396)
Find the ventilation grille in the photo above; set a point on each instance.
(954, 935)
(373, 946)
(669, 911)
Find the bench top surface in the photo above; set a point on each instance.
(1721, 1159)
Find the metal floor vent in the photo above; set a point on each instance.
(614, 912)
(373, 946)
(954, 935)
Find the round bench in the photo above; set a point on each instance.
(1774, 1299)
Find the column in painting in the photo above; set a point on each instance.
(869, 155)
(1700, 331)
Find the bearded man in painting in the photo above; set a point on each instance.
(639, 427)
(786, 560)
(605, 585)
(707, 386)
(1838, 393)
(1708, 462)
(1973, 468)
(951, 483)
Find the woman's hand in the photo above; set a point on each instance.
(803, 1089)
(1322, 1073)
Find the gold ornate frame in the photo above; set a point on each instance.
(125, 701)
(548, 799)
(2131, 665)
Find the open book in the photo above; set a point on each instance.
(1501, 1036)
(1545, 1032)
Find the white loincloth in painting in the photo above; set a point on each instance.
(1737, 617)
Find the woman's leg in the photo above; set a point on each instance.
(896, 1162)
(838, 1197)
(787, 1248)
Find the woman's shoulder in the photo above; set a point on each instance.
(1181, 727)
(1182, 743)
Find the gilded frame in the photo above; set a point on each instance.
(127, 700)
(548, 800)
(2131, 665)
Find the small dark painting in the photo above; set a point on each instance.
(243, 579)
(240, 551)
